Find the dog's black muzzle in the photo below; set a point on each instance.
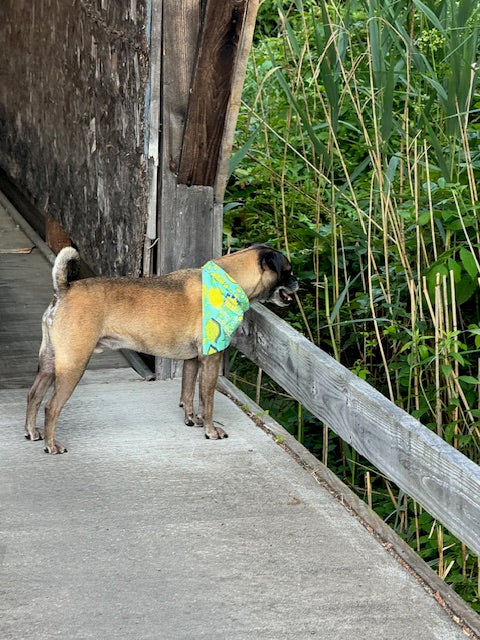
(282, 295)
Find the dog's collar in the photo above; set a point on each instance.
(223, 305)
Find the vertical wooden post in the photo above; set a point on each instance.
(152, 131)
(204, 46)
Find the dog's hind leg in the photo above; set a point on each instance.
(72, 353)
(41, 384)
(65, 382)
(189, 377)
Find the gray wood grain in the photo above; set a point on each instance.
(435, 474)
(222, 27)
(72, 129)
(244, 46)
(176, 248)
(153, 133)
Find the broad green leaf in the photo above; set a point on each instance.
(465, 289)
(456, 268)
(239, 155)
(468, 379)
(468, 262)
(446, 370)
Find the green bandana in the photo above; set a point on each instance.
(223, 304)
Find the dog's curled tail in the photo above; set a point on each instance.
(65, 269)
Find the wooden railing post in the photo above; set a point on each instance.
(204, 46)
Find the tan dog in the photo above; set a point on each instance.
(161, 316)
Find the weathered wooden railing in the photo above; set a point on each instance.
(440, 478)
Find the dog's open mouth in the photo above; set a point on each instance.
(282, 296)
(285, 297)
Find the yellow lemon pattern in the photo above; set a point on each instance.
(223, 305)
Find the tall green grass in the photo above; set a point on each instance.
(359, 153)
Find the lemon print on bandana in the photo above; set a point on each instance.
(223, 305)
(215, 298)
(212, 330)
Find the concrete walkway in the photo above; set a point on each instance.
(146, 530)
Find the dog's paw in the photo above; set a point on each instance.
(215, 433)
(55, 449)
(35, 434)
(192, 421)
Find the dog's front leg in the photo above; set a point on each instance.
(210, 366)
(189, 377)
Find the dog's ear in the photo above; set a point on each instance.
(255, 245)
(273, 260)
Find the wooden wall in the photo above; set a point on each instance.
(117, 120)
(73, 86)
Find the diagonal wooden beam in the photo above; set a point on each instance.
(214, 73)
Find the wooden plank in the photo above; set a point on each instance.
(435, 474)
(192, 243)
(191, 231)
(235, 98)
(152, 130)
(180, 30)
(210, 94)
(190, 210)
